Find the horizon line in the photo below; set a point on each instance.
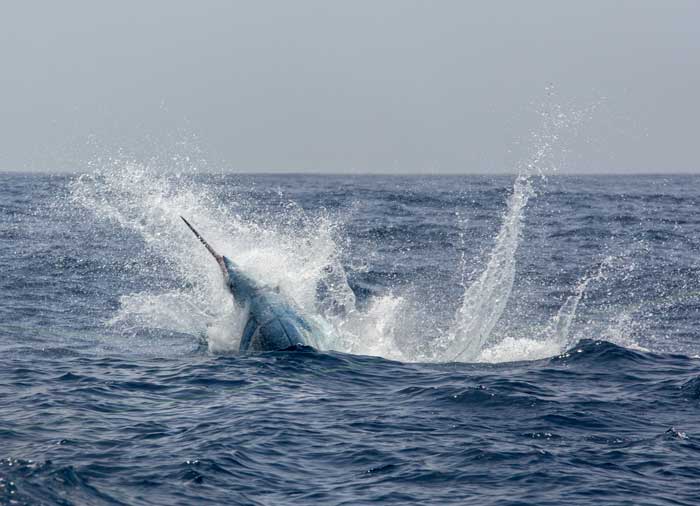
(285, 172)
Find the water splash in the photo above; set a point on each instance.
(295, 254)
(559, 327)
(375, 330)
(302, 254)
(486, 298)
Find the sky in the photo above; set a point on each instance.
(395, 86)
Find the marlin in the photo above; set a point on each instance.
(274, 322)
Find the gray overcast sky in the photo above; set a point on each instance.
(372, 86)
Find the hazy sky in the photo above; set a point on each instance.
(371, 86)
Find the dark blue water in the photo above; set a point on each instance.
(490, 341)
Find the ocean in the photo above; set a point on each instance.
(509, 340)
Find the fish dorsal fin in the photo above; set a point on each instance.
(219, 258)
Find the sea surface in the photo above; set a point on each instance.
(512, 340)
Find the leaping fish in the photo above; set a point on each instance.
(274, 322)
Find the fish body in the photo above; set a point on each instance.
(274, 322)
